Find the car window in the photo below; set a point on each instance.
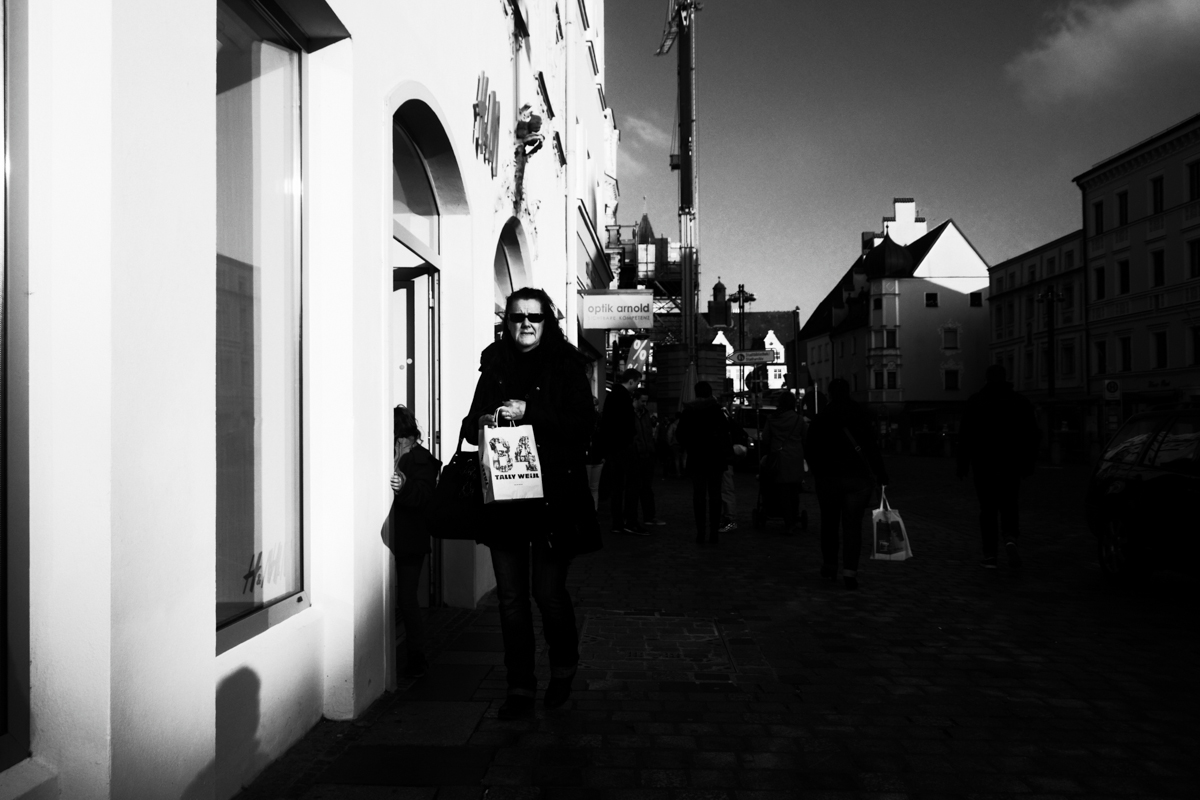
(1177, 448)
(1125, 446)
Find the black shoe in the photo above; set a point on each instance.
(988, 563)
(655, 522)
(828, 572)
(416, 667)
(850, 583)
(1014, 558)
(558, 691)
(516, 706)
(637, 530)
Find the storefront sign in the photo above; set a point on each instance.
(616, 309)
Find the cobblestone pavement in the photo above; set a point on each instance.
(734, 671)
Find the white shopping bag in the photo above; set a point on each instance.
(509, 465)
(889, 536)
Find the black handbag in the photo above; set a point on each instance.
(456, 510)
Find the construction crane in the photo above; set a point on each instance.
(681, 27)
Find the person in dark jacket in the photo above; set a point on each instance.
(639, 476)
(998, 441)
(534, 376)
(783, 456)
(844, 457)
(617, 427)
(705, 433)
(414, 476)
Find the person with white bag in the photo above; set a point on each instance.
(534, 377)
(844, 457)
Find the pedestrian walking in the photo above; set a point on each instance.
(781, 469)
(729, 508)
(705, 433)
(594, 460)
(534, 376)
(639, 476)
(998, 442)
(414, 476)
(617, 432)
(843, 454)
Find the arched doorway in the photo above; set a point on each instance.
(426, 186)
(509, 269)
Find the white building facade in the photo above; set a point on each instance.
(197, 459)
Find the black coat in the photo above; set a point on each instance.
(410, 529)
(706, 432)
(999, 433)
(831, 455)
(560, 409)
(618, 424)
(784, 435)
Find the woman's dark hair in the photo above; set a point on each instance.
(404, 423)
(551, 333)
(786, 402)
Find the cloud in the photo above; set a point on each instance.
(629, 166)
(644, 132)
(1097, 49)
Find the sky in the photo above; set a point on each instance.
(812, 115)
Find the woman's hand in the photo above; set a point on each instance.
(512, 410)
(398, 482)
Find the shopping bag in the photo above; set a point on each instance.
(510, 467)
(890, 537)
(456, 508)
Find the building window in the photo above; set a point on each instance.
(1122, 208)
(1068, 301)
(998, 312)
(1101, 358)
(1068, 260)
(1027, 366)
(1032, 274)
(878, 379)
(1044, 362)
(951, 380)
(931, 299)
(1160, 349)
(975, 299)
(1126, 345)
(877, 303)
(950, 339)
(1156, 195)
(842, 349)
(1196, 345)
(1193, 258)
(891, 379)
(1066, 358)
(889, 338)
(1158, 267)
(1122, 277)
(1098, 272)
(1098, 217)
(258, 287)
(1193, 180)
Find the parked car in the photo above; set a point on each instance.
(1142, 490)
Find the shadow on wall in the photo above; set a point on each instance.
(237, 747)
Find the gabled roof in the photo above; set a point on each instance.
(644, 234)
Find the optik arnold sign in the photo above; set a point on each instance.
(609, 309)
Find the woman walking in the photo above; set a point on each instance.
(414, 476)
(783, 460)
(534, 376)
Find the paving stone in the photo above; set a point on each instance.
(735, 672)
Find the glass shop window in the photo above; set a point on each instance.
(258, 525)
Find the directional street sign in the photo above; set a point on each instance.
(739, 357)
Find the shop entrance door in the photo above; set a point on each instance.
(414, 368)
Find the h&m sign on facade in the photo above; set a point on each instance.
(608, 309)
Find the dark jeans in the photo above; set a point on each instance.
(408, 574)
(549, 574)
(616, 470)
(997, 498)
(844, 511)
(706, 495)
(639, 486)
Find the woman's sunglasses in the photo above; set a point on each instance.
(519, 318)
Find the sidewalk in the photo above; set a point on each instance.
(736, 672)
